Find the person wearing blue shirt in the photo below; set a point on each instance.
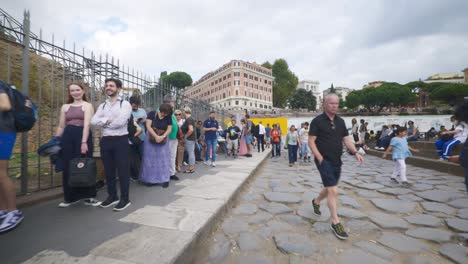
(210, 126)
(400, 151)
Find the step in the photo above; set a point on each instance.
(433, 164)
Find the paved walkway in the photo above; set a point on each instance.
(158, 227)
(273, 221)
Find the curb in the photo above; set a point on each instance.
(187, 254)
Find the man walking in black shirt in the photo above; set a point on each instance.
(327, 134)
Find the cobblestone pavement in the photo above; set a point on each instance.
(273, 220)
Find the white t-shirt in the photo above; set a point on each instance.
(304, 133)
(464, 132)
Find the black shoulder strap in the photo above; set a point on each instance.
(121, 101)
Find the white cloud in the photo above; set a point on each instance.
(348, 43)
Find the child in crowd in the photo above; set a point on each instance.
(400, 151)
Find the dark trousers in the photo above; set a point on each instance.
(292, 153)
(198, 155)
(466, 178)
(114, 155)
(261, 141)
(71, 148)
(276, 149)
(136, 152)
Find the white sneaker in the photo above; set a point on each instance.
(65, 204)
(11, 220)
(376, 147)
(213, 164)
(185, 163)
(92, 202)
(206, 162)
(382, 148)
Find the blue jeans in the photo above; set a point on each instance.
(305, 150)
(211, 144)
(414, 138)
(276, 148)
(292, 153)
(445, 147)
(190, 148)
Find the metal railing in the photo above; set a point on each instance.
(44, 72)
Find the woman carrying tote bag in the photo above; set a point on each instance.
(76, 141)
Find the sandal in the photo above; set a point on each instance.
(189, 171)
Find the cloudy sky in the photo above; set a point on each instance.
(348, 42)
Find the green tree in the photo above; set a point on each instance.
(386, 95)
(285, 83)
(450, 93)
(303, 99)
(177, 79)
(267, 65)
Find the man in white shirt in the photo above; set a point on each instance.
(261, 136)
(112, 116)
(304, 137)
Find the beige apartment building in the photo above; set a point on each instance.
(237, 85)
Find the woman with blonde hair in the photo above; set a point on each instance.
(76, 140)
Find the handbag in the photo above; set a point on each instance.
(82, 172)
(158, 132)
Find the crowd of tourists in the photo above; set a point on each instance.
(161, 143)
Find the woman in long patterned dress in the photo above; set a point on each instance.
(157, 156)
(242, 143)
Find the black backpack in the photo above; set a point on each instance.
(255, 129)
(23, 110)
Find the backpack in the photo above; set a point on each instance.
(23, 110)
(254, 129)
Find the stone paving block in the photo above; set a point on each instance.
(362, 227)
(276, 226)
(220, 249)
(282, 197)
(321, 227)
(420, 260)
(197, 204)
(395, 191)
(256, 259)
(358, 256)
(351, 213)
(456, 253)
(394, 205)
(459, 203)
(169, 218)
(410, 197)
(422, 187)
(288, 189)
(259, 218)
(375, 249)
(463, 213)
(346, 200)
(249, 242)
(307, 211)
(462, 237)
(439, 196)
(292, 219)
(438, 207)
(295, 244)
(369, 194)
(433, 234)
(370, 186)
(52, 256)
(234, 226)
(459, 225)
(387, 221)
(424, 220)
(402, 243)
(144, 243)
(246, 209)
(275, 208)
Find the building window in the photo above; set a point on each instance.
(237, 102)
(212, 83)
(246, 75)
(251, 77)
(237, 92)
(256, 78)
(229, 84)
(245, 93)
(224, 78)
(220, 79)
(224, 95)
(229, 75)
(229, 103)
(246, 84)
(236, 74)
(265, 81)
(251, 104)
(269, 82)
(216, 82)
(224, 85)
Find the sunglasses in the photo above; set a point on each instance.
(178, 114)
(332, 124)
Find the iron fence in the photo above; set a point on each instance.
(42, 69)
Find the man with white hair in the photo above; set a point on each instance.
(327, 134)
